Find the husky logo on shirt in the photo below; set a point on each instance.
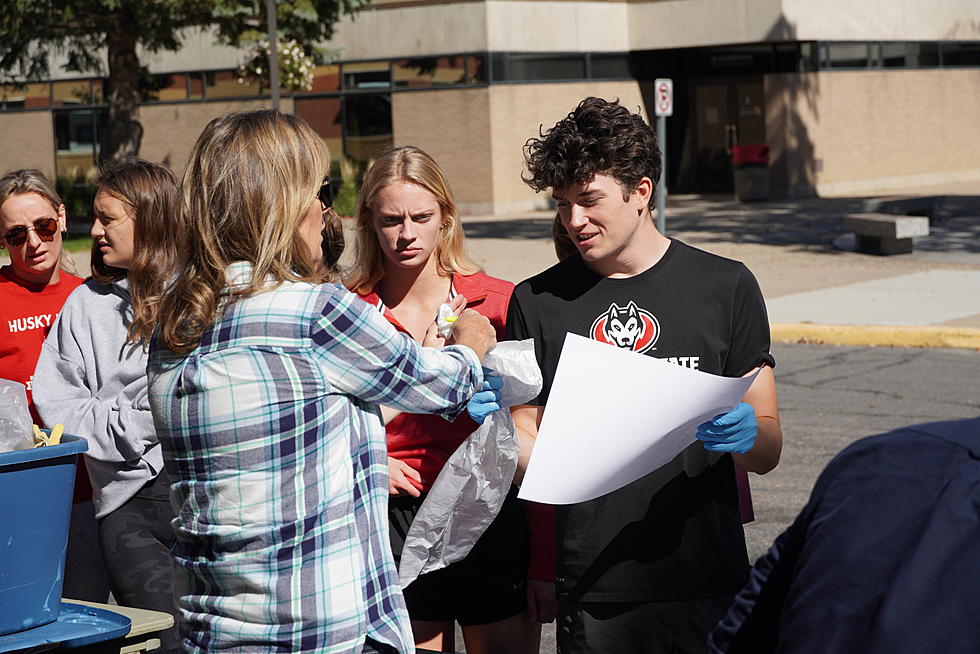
(628, 327)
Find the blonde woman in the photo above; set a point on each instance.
(91, 377)
(410, 259)
(33, 288)
(264, 383)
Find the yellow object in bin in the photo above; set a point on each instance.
(41, 439)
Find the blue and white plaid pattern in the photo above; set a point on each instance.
(276, 451)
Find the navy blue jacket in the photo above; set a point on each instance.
(885, 557)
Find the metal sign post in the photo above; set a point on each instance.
(663, 91)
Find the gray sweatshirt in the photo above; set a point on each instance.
(89, 379)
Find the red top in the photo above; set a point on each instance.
(425, 442)
(27, 312)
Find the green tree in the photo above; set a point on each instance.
(86, 31)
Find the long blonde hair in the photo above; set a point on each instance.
(30, 180)
(405, 164)
(149, 191)
(250, 180)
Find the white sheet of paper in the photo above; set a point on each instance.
(614, 416)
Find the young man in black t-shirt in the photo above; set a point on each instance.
(653, 566)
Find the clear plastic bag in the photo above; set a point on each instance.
(16, 426)
(471, 488)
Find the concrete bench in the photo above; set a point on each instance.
(882, 233)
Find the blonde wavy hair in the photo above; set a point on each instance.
(30, 180)
(405, 164)
(249, 182)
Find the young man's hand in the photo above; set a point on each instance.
(734, 431)
(486, 400)
(542, 604)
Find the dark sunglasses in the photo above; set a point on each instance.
(45, 228)
(326, 192)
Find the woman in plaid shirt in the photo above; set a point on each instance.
(264, 386)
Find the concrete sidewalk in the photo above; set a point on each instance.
(815, 292)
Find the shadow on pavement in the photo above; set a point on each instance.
(809, 224)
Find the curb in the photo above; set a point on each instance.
(877, 335)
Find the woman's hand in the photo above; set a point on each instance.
(432, 336)
(475, 332)
(542, 604)
(403, 479)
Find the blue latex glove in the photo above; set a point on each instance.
(734, 431)
(487, 399)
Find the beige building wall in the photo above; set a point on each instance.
(857, 132)
(27, 140)
(517, 112)
(453, 126)
(170, 130)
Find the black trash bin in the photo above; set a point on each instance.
(750, 164)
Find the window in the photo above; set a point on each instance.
(476, 69)
(845, 55)
(226, 84)
(367, 125)
(421, 72)
(77, 148)
(165, 88)
(893, 55)
(75, 92)
(530, 67)
(326, 79)
(25, 96)
(921, 55)
(609, 66)
(961, 54)
(367, 75)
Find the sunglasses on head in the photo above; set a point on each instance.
(45, 228)
(325, 194)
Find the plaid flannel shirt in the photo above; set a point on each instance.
(276, 452)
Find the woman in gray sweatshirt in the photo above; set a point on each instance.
(91, 377)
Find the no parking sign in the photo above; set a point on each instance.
(663, 90)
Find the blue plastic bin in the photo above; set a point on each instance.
(35, 507)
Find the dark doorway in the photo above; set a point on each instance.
(723, 112)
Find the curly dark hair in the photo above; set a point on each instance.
(598, 137)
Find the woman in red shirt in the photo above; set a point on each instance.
(410, 260)
(33, 288)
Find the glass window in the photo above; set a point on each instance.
(98, 91)
(226, 84)
(610, 65)
(367, 123)
(195, 86)
(25, 96)
(961, 54)
(808, 56)
(847, 55)
(420, 72)
(498, 64)
(75, 139)
(893, 55)
(325, 116)
(165, 88)
(326, 79)
(71, 93)
(921, 55)
(476, 69)
(367, 75)
(534, 66)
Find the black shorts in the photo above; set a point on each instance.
(489, 585)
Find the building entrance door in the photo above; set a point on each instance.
(727, 112)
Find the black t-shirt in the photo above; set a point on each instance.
(676, 533)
